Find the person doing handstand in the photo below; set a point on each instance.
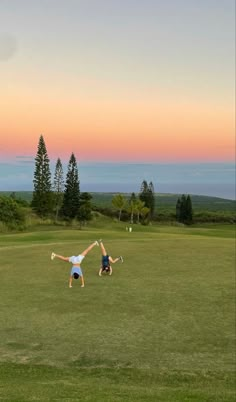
(76, 271)
(107, 260)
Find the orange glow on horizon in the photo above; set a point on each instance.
(144, 128)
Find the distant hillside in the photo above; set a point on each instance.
(163, 201)
(168, 201)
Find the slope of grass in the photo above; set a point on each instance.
(161, 328)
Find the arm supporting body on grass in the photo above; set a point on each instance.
(76, 261)
(81, 278)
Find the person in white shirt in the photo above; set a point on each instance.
(76, 271)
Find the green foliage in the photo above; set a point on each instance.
(206, 209)
(189, 210)
(42, 195)
(131, 207)
(85, 209)
(147, 195)
(12, 216)
(184, 211)
(20, 195)
(178, 210)
(137, 208)
(214, 217)
(167, 202)
(71, 200)
(19, 201)
(151, 205)
(119, 202)
(58, 187)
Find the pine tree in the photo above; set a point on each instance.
(71, 200)
(147, 195)
(178, 205)
(42, 195)
(184, 211)
(151, 205)
(58, 186)
(189, 210)
(144, 193)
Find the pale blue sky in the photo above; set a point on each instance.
(175, 57)
(132, 41)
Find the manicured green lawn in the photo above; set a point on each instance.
(161, 328)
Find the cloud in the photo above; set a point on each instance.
(25, 159)
(8, 46)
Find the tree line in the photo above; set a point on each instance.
(66, 201)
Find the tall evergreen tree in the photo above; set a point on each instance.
(177, 208)
(151, 205)
(147, 195)
(58, 187)
(133, 197)
(143, 194)
(189, 210)
(42, 194)
(184, 211)
(71, 200)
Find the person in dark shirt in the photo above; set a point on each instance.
(107, 260)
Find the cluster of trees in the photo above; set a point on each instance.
(138, 207)
(141, 207)
(184, 210)
(64, 199)
(59, 198)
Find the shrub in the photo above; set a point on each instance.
(11, 214)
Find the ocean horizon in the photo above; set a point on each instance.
(209, 179)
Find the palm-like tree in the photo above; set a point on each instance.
(131, 209)
(119, 202)
(141, 209)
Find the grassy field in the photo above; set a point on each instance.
(161, 328)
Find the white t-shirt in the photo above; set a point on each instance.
(76, 259)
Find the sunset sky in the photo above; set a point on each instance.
(127, 80)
